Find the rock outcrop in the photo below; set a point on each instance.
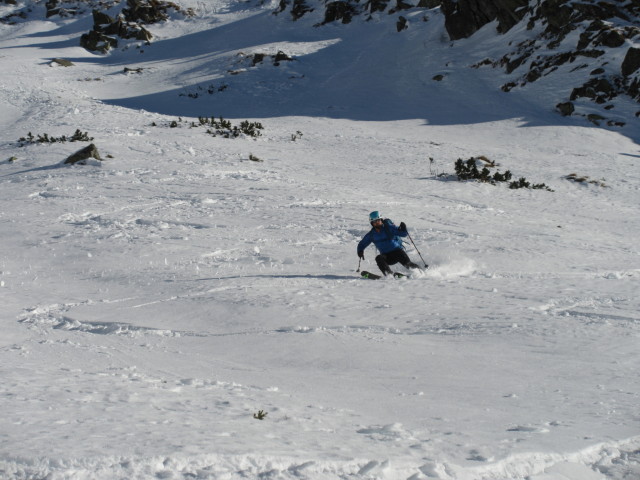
(129, 24)
(465, 17)
(82, 155)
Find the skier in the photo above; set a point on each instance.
(386, 237)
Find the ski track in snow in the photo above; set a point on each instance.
(154, 302)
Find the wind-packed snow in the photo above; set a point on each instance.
(155, 301)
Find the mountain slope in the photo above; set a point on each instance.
(546, 57)
(157, 300)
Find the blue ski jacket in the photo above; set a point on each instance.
(386, 240)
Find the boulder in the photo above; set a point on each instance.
(401, 24)
(566, 109)
(300, 7)
(97, 42)
(81, 156)
(631, 62)
(339, 10)
(101, 18)
(376, 5)
(465, 17)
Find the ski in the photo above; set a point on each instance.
(373, 276)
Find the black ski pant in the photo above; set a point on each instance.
(396, 256)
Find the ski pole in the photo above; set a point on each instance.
(414, 246)
(359, 260)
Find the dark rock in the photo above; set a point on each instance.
(376, 5)
(400, 5)
(533, 75)
(598, 89)
(556, 15)
(566, 109)
(507, 87)
(257, 58)
(339, 10)
(52, 8)
(634, 89)
(631, 62)
(401, 24)
(97, 42)
(147, 11)
(429, 4)
(127, 24)
(281, 57)
(81, 156)
(299, 8)
(101, 18)
(611, 39)
(465, 17)
(595, 118)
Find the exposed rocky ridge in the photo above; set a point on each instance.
(66, 8)
(108, 28)
(606, 31)
(594, 44)
(128, 24)
(465, 17)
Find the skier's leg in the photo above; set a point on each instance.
(381, 260)
(406, 261)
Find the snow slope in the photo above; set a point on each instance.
(156, 301)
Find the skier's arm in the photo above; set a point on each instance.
(400, 231)
(364, 243)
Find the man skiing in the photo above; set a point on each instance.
(386, 237)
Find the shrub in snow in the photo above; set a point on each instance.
(225, 129)
(78, 136)
(222, 127)
(260, 415)
(523, 183)
(469, 171)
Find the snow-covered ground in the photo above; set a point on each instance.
(154, 302)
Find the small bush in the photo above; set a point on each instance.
(469, 171)
(522, 183)
(260, 415)
(78, 136)
(225, 129)
(222, 127)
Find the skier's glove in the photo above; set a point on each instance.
(402, 227)
(361, 255)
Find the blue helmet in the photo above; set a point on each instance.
(373, 216)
